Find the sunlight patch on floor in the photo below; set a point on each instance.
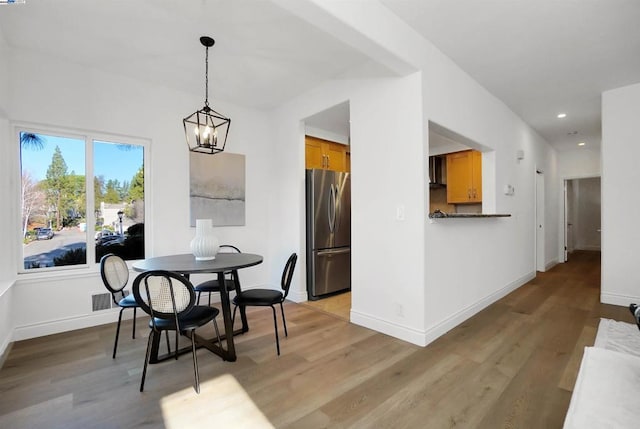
(222, 401)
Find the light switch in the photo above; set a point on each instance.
(400, 212)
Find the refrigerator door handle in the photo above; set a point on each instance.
(331, 209)
(336, 206)
(333, 252)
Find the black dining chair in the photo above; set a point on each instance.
(213, 285)
(115, 276)
(169, 298)
(269, 297)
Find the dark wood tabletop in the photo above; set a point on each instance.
(187, 264)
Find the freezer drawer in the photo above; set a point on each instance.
(330, 271)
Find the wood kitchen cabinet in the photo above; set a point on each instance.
(464, 177)
(326, 155)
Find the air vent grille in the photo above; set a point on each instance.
(104, 301)
(101, 301)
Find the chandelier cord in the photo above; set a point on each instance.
(206, 78)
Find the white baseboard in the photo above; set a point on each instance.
(298, 296)
(616, 299)
(100, 318)
(402, 332)
(71, 323)
(423, 338)
(441, 328)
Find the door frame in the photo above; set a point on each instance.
(565, 256)
(539, 232)
(562, 239)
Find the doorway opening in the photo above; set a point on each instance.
(582, 215)
(328, 210)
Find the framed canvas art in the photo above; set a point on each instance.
(217, 188)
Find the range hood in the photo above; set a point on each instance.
(437, 173)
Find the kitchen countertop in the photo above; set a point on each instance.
(442, 215)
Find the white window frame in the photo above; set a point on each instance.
(89, 137)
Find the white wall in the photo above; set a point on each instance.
(8, 204)
(388, 297)
(620, 205)
(416, 279)
(71, 96)
(471, 263)
(579, 163)
(8, 207)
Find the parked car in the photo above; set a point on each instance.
(100, 235)
(110, 239)
(44, 234)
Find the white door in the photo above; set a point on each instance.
(540, 260)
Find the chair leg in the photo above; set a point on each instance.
(198, 300)
(177, 338)
(146, 360)
(233, 317)
(275, 325)
(209, 299)
(284, 322)
(195, 361)
(134, 324)
(115, 344)
(215, 325)
(166, 334)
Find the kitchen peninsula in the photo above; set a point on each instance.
(442, 215)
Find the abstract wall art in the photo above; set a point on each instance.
(217, 188)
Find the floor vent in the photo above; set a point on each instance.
(101, 301)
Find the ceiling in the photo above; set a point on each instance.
(540, 57)
(263, 55)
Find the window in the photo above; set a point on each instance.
(82, 196)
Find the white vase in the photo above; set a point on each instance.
(204, 245)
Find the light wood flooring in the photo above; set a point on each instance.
(512, 365)
(336, 305)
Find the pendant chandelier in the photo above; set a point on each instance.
(206, 130)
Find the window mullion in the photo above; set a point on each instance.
(90, 200)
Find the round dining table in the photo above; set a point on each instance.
(186, 264)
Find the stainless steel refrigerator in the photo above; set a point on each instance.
(328, 197)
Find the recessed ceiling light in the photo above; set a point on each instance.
(562, 115)
(581, 144)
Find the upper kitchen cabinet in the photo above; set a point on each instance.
(464, 177)
(326, 155)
